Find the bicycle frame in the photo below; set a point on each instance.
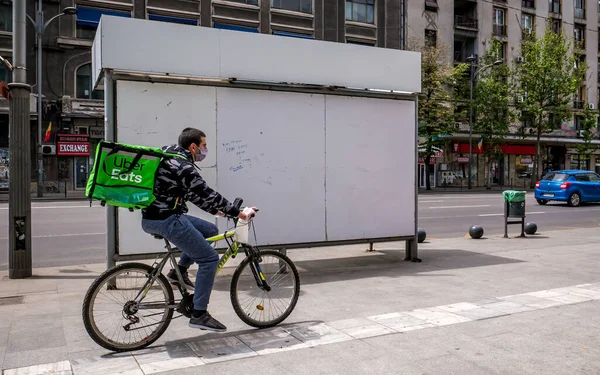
(231, 252)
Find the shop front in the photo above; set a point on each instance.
(512, 166)
(75, 147)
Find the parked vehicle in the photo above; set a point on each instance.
(571, 186)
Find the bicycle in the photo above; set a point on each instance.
(132, 310)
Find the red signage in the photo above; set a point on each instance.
(463, 148)
(73, 144)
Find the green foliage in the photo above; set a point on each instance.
(589, 124)
(548, 80)
(442, 86)
(492, 99)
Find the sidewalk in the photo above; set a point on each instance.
(489, 306)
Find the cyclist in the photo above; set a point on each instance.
(178, 180)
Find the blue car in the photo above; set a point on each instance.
(571, 186)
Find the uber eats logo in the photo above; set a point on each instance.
(123, 164)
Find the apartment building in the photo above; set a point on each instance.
(75, 111)
(465, 27)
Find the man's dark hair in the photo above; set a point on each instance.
(189, 136)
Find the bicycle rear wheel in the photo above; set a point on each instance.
(256, 306)
(114, 320)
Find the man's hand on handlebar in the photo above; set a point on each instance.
(247, 213)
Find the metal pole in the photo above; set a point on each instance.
(111, 212)
(469, 186)
(39, 24)
(19, 206)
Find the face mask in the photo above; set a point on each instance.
(200, 156)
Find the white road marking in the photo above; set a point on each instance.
(63, 235)
(473, 206)
(302, 335)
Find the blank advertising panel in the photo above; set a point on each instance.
(270, 152)
(370, 153)
(154, 114)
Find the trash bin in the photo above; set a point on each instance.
(516, 202)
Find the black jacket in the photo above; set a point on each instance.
(178, 180)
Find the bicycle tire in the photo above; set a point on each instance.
(236, 303)
(92, 291)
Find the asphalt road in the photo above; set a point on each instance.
(67, 233)
(451, 215)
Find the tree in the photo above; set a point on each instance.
(441, 88)
(550, 75)
(492, 98)
(589, 124)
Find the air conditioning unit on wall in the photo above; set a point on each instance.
(49, 149)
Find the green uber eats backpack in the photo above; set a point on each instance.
(123, 174)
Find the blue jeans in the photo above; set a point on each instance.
(189, 235)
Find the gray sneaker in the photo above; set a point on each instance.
(207, 322)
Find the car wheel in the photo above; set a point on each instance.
(574, 200)
(542, 202)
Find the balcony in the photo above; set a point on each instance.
(528, 4)
(465, 22)
(500, 30)
(580, 13)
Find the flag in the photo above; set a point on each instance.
(480, 144)
(47, 136)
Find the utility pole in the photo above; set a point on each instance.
(39, 30)
(19, 206)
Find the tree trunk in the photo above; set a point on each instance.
(538, 157)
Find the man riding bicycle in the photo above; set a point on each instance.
(178, 180)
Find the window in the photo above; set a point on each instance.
(5, 74)
(555, 6)
(360, 11)
(249, 2)
(527, 22)
(430, 38)
(499, 22)
(303, 6)
(293, 35)
(580, 9)
(83, 84)
(88, 19)
(6, 17)
(528, 3)
(552, 176)
(185, 21)
(556, 26)
(594, 177)
(579, 35)
(235, 28)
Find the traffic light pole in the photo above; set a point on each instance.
(19, 206)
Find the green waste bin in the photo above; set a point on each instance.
(516, 202)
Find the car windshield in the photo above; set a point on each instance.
(555, 177)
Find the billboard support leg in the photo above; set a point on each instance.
(111, 212)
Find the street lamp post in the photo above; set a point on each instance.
(471, 60)
(40, 27)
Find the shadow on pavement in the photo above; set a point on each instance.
(385, 263)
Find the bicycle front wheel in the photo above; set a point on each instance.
(252, 302)
(112, 317)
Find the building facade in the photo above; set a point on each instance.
(465, 26)
(74, 112)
